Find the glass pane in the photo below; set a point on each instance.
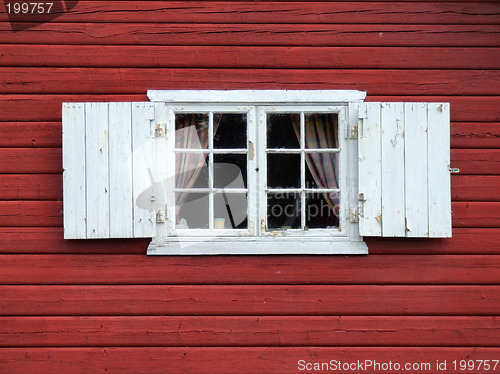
(191, 170)
(230, 211)
(192, 210)
(322, 170)
(230, 130)
(191, 130)
(283, 170)
(283, 211)
(283, 130)
(230, 171)
(321, 130)
(322, 210)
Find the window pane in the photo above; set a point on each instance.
(321, 130)
(322, 210)
(230, 211)
(191, 130)
(192, 210)
(322, 170)
(283, 130)
(283, 210)
(230, 171)
(283, 170)
(191, 170)
(230, 130)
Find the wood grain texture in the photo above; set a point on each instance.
(241, 12)
(48, 107)
(49, 214)
(249, 300)
(210, 270)
(49, 187)
(48, 134)
(127, 56)
(367, 35)
(30, 134)
(154, 360)
(49, 160)
(134, 80)
(31, 213)
(475, 188)
(30, 187)
(49, 240)
(389, 331)
(475, 135)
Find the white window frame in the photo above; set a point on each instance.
(258, 240)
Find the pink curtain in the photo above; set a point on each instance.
(321, 132)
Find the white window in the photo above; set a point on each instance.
(256, 172)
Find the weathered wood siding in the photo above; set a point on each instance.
(102, 305)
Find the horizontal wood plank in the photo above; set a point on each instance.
(49, 213)
(30, 134)
(171, 331)
(476, 214)
(155, 360)
(248, 57)
(31, 213)
(254, 35)
(475, 135)
(134, 80)
(140, 269)
(49, 160)
(31, 187)
(476, 161)
(475, 188)
(49, 240)
(271, 12)
(48, 134)
(48, 107)
(30, 160)
(49, 187)
(249, 300)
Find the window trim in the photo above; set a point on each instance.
(348, 243)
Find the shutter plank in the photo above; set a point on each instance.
(393, 176)
(120, 171)
(74, 192)
(438, 172)
(143, 177)
(415, 122)
(370, 171)
(97, 170)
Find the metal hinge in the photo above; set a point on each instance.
(160, 216)
(159, 130)
(358, 211)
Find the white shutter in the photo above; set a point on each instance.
(404, 179)
(107, 162)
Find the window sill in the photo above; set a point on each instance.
(256, 246)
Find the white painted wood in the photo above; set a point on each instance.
(120, 170)
(256, 246)
(161, 171)
(74, 194)
(439, 175)
(393, 173)
(370, 168)
(97, 172)
(143, 170)
(257, 96)
(416, 184)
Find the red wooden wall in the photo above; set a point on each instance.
(104, 306)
